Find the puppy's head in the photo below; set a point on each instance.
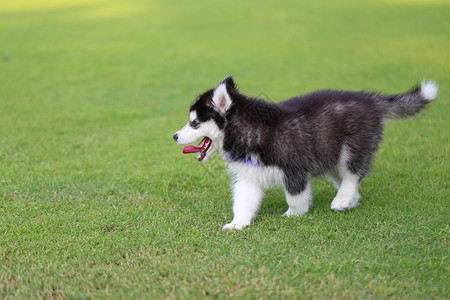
(207, 119)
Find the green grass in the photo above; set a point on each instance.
(96, 200)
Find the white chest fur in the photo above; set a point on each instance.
(265, 177)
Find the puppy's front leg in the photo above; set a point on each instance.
(246, 199)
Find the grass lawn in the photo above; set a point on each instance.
(97, 201)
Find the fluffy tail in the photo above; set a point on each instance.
(409, 103)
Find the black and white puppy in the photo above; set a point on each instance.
(329, 132)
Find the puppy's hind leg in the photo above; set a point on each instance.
(347, 196)
(247, 196)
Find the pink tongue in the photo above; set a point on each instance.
(191, 149)
(194, 149)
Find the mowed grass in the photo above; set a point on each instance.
(97, 201)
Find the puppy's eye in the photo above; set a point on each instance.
(195, 124)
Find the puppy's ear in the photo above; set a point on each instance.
(229, 82)
(221, 97)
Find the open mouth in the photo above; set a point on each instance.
(202, 148)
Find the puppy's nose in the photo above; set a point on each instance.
(175, 137)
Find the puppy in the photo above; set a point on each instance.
(329, 132)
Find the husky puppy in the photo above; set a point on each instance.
(329, 132)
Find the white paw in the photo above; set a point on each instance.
(339, 207)
(343, 205)
(234, 226)
(290, 213)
